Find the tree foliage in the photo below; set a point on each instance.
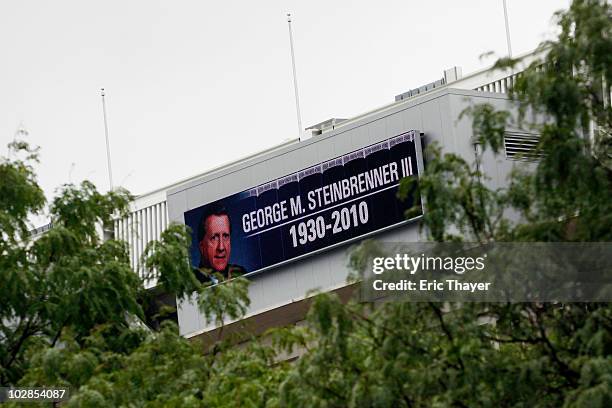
(72, 308)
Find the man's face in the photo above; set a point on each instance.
(216, 245)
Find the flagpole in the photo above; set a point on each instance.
(507, 30)
(295, 83)
(108, 155)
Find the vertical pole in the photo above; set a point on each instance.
(295, 84)
(108, 156)
(507, 30)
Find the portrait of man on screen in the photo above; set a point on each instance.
(215, 245)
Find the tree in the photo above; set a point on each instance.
(71, 307)
(67, 279)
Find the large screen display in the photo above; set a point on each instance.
(316, 208)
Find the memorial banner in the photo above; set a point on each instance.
(319, 207)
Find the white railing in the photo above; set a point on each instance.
(140, 227)
(502, 85)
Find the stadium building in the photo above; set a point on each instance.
(294, 209)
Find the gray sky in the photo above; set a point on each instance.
(195, 84)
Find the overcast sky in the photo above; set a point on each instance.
(195, 84)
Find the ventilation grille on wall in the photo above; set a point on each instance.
(521, 146)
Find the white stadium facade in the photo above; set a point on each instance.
(288, 262)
